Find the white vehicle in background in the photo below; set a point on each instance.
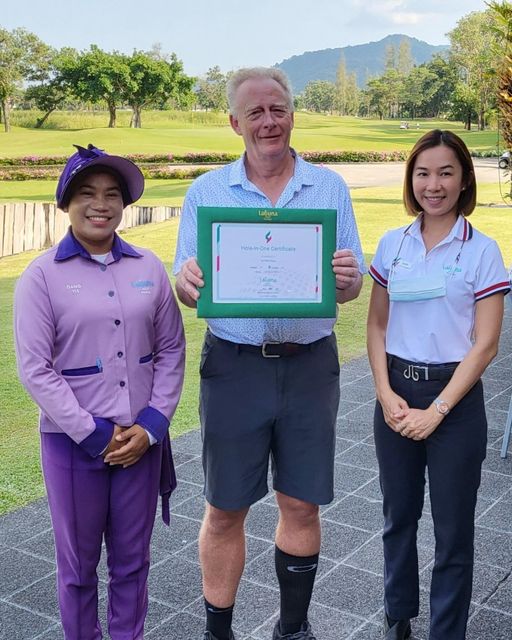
(504, 160)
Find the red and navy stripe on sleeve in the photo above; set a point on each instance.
(503, 287)
(377, 277)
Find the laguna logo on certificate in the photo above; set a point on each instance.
(266, 262)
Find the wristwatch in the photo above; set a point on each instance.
(442, 406)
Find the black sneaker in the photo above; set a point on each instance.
(208, 635)
(305, 633)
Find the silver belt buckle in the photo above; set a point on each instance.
(411, 372)
(264, 351)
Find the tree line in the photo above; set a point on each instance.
(34, 74)
(465, 84)
(461, 84)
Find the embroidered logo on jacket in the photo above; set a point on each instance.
(143, 286)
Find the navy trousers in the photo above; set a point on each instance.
(453, 456)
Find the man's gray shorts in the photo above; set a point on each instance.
(254, 408)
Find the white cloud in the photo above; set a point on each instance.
(407, 18)
(383, 7)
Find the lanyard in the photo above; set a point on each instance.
(467, 235)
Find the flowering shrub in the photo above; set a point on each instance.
(138, 158)
(200, 158)
(355, 156)
(33, 161)
(29, 173)
(49, 167)
(165, 173)
(484, 154)
(52, 173)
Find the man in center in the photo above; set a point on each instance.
(254, 407)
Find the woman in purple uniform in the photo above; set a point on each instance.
(100, 348)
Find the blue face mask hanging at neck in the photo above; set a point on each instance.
(421, 287)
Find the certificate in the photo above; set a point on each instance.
(266, 262)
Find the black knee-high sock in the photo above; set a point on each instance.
(218, 620)
(296, 576)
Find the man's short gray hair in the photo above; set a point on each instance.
(251, 73)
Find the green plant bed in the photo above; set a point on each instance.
(22, 174)
(142, 159)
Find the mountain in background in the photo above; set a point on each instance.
(366, 60)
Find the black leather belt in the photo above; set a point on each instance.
(274, 349)
(421, 371)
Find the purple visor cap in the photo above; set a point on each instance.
(90, 157)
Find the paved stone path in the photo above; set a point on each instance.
(386, 174)
(383, 174)
(347, 601)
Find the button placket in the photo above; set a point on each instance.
(118, 349)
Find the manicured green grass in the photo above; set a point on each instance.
(20, 476)
(169, 192)
(377, 209)
(173, 132)
(166, 192)
(380, 208)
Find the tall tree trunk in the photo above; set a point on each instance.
(41, 121)
(112, 115)
(6, 112)
(136, 119)
(481, 120)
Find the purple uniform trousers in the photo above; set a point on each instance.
(88, 500)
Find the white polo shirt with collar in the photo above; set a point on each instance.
(438, 330)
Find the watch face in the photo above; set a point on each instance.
(442, 406)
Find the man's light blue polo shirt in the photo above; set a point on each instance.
(310, 187)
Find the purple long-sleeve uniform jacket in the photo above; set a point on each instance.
(99, 344)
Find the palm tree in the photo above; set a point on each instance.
(502, 12)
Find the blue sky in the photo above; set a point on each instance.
(232, 33)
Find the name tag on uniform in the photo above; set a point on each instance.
(415, 289)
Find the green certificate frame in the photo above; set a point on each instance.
(218, 227)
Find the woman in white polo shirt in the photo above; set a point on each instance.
(433, 327)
